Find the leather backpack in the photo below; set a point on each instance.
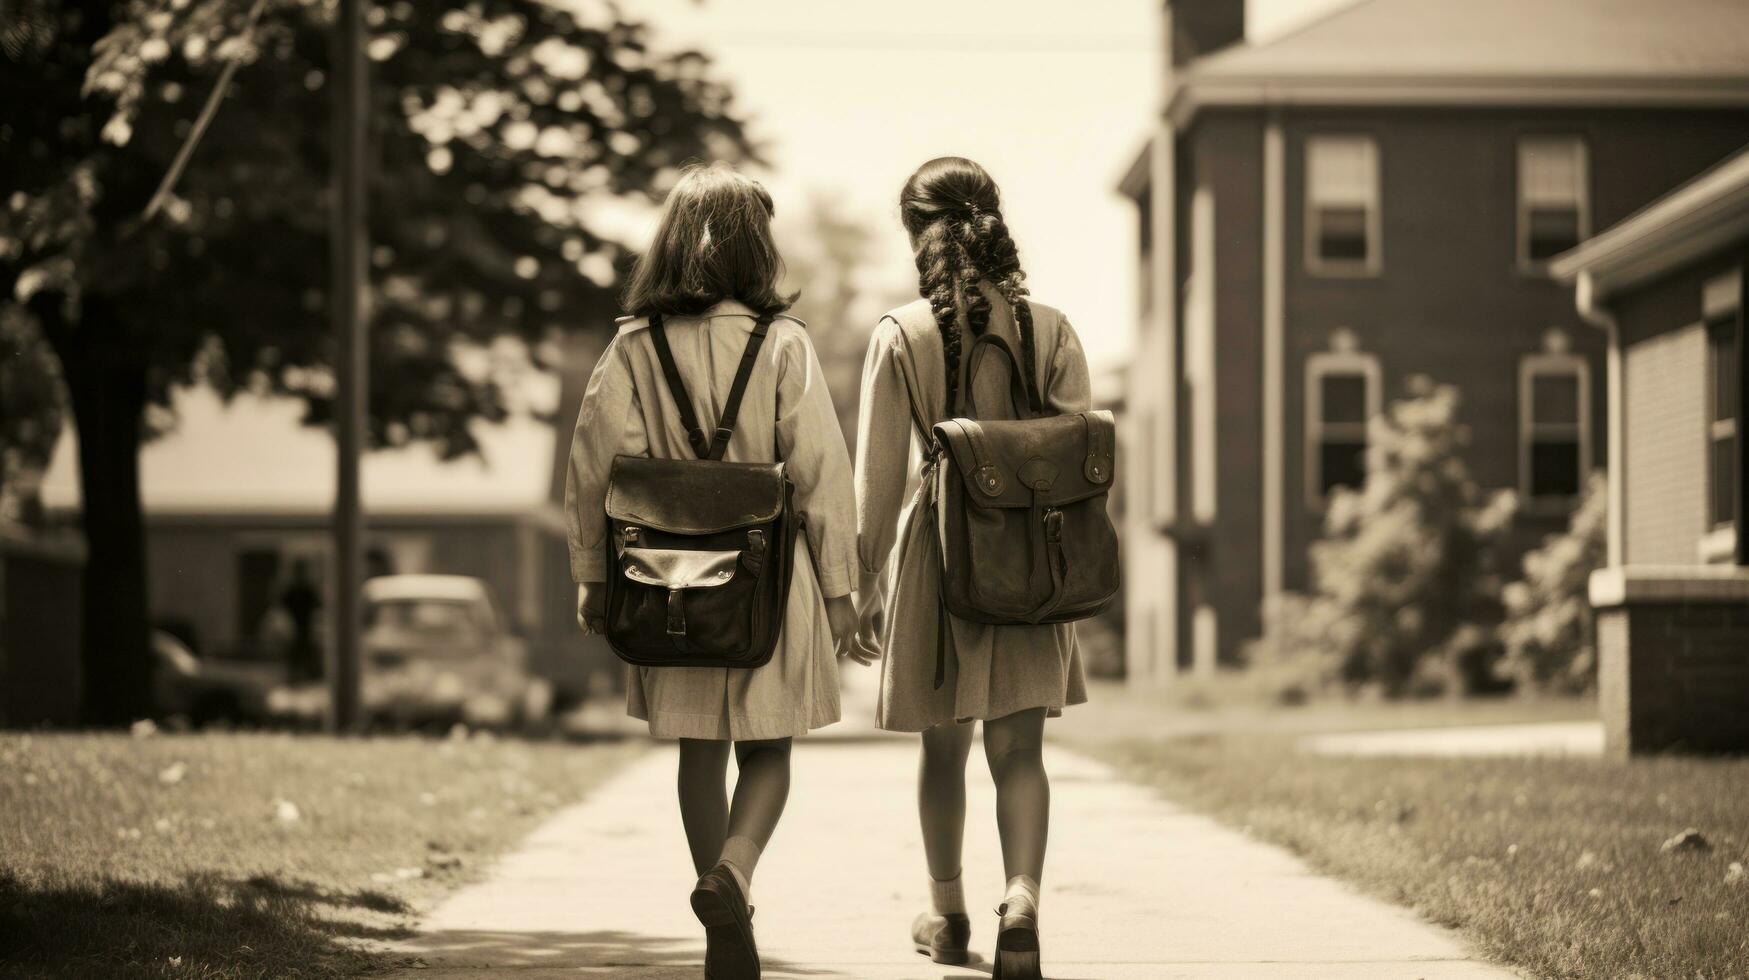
(1021, 508)
(699, 551)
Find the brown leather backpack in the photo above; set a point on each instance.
(699, 551)
(1020, 509)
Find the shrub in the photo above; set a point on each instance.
(1548, 633)
(1406, 598)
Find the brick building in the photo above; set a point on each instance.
(1372, 197)
(1667, 288)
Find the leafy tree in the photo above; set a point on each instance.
(30, 413)
(1405, 571)
(503, 133)
(1548, 633)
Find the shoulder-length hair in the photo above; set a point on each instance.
(713, 243)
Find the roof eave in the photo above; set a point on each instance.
(1139, 174)
(1695, 220)
(1196, 91)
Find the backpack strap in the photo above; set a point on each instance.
(677, 387)
(717, 444)
(1022, 393)
(732, 407)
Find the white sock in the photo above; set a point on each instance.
(741, 854)
(1022, 895)
(948, 897)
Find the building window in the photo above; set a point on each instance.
(1554, 205)
(1722, 419)
(1554, 396)
(1342, 205)
(1342, 394)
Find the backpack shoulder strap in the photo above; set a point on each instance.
(910, 387)
(718, 443)
(732, 408)
(677, 387)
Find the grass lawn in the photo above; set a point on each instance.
(253, 855)
(1552, 865)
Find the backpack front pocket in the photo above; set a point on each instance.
(682, 602)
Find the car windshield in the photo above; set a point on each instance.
(423, 621)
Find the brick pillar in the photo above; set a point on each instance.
(1673, 658)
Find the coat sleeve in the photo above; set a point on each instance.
(1069, 389)
(883, 448)
(811, 444)
(609, 424)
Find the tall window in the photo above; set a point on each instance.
(1554, 205)
(1342, 392)
(1342, 205)
(1554, 407)
(1722, 418)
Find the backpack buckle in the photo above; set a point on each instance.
(676, 613)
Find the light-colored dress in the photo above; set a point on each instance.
(786, 414)
(992, 671)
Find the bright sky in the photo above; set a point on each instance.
(1053, 98)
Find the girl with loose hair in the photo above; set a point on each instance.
(1010, 677)
(711, 275)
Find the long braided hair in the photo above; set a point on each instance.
(953, 212)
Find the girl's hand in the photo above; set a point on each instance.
(841, 616)
(592, 608)
(866, 648)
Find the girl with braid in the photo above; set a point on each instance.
(1010, 677)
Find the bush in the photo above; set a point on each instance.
(1548, 639)
(1405, 598)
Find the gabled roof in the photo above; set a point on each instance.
(254, 456)
(1695, 220)
(1483, 52)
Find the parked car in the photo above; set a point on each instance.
(205, 691)
(436, 651)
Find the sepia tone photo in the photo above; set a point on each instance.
(736, 489)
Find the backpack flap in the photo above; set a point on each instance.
(686, 496)
(1024, 531)
(1047, 461)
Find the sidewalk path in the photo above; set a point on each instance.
(1576, 738)
(1136, 888)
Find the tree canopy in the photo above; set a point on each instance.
(507, 136)
(504, 132)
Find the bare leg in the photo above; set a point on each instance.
(1014, 745)
(704, 803)
(941, 797)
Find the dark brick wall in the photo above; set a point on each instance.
(1223, 566)
(1450, 303)
(1674, 677)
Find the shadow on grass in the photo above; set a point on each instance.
(207, 925)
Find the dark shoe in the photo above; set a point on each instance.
(1017, 955)
(730, 953)
(943, 938)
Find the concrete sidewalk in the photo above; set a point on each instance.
(1136, 888)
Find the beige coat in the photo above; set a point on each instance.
(786, 414)
(992, 671)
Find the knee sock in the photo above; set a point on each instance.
(741, 854)
(948, 897)
(1022, 896)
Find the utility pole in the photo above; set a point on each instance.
(350, 295)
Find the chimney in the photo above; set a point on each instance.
(1201, 27)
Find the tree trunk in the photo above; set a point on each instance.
(106, 385)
